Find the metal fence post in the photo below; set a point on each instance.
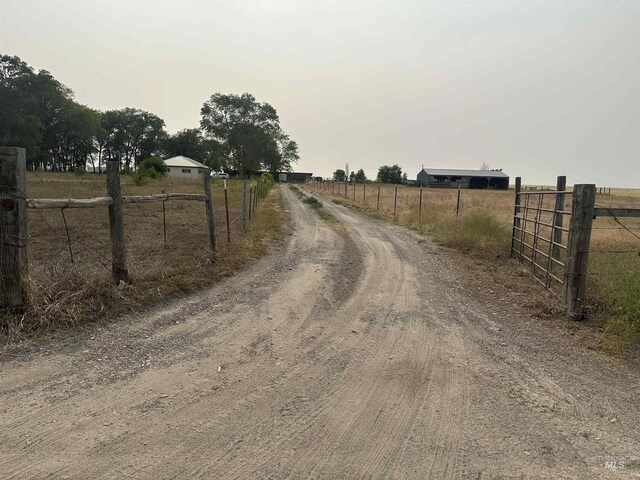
(584, 198)
(458, 203)
(13, 220)
(516, 213)
(211, 219)
(244, 204)
(226, 208)
(116, 224)
(395, 201)
(561, 186)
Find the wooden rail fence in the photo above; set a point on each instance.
(13, 219)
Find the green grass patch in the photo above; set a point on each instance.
(613, 292)
(313, 201)
(481, 232)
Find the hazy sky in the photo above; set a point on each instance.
(538, 88)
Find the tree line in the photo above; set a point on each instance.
(386, 174)
(237, 133)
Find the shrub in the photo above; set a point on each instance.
(154, 166)
(141, 177)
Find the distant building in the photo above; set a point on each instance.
(297, 176)
(453, 178)
(184, 167)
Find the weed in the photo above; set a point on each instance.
(313, 201)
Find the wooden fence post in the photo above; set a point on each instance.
(244, 204)
(364, 192)
(211, 217)
(378, 202)
(250, 201)
(116, 224)
(577, 262)
(516, 217)
(13, 220)
(458, 203)
(558, 218)
(420, 207)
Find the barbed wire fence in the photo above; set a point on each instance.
(69, 235)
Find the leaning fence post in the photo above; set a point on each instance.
(13, 219)
(116, 224)
(558, 217)
(516, 215)
(244, 204)
(577, 262)
(211, 217)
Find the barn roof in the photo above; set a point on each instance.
(453, 172)
(183, 162)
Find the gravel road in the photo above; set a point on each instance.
(346, 353)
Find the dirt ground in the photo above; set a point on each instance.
(353, 352)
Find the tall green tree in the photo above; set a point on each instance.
(249, 131)
(132, 134)
(390, 174)
(360, 176)
(339, 175)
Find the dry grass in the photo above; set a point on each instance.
(483, 227)
(62, 293)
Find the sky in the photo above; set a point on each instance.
(538, 88)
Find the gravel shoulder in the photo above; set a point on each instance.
(346, 353)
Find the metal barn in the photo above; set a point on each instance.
(453, 178)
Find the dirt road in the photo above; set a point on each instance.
(341, 355)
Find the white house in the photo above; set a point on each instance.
(184, 167)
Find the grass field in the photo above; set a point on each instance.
(63, 292)
(483, 227)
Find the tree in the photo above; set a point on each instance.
(40, 113)
(339, 175)
(390, 174)
(360, 176)
(250, 133)
(132, 134)
(352, 176)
